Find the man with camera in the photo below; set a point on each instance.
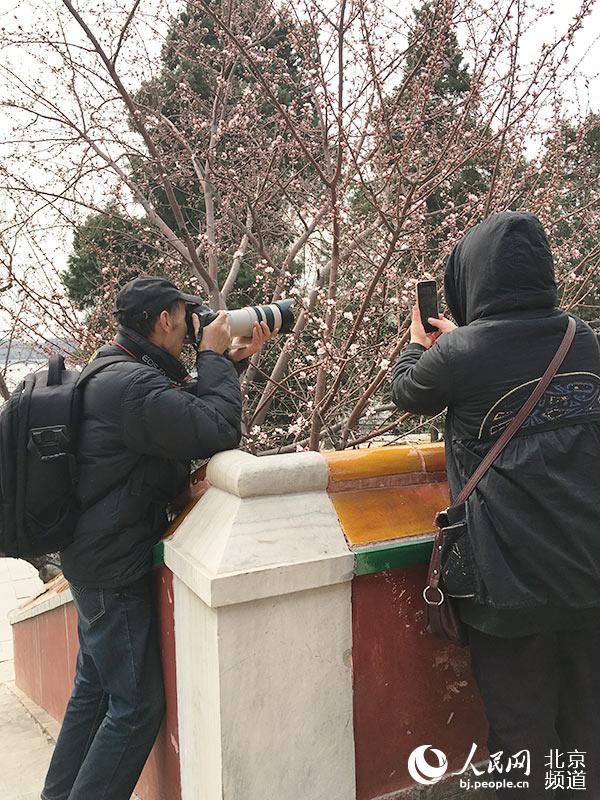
(143, 421)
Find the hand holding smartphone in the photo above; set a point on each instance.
(421, 331)
(427, 302)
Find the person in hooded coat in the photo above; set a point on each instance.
(533, 616)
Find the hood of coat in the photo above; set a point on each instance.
(503, 264)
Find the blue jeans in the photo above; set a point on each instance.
(117, 703)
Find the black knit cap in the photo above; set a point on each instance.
(143, 297)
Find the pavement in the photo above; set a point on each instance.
(26, 742)
(26, 749)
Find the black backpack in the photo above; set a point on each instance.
(38, 459)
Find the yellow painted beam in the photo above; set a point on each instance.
(347, 465)
(376, 515)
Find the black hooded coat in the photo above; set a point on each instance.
(142, 423)
(534, 519)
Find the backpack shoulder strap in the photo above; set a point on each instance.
(98, 364)
(56, 367)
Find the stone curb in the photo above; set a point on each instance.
(47, 724)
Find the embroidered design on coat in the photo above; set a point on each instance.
(570, 396)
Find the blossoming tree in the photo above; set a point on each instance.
(254, 150)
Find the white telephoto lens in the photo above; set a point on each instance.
(242, 321)
(277, 314)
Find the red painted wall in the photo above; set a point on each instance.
(45, 651)
(410, 689)
(160, 779)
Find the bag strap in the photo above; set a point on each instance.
(525, 411)
(56, 367)
(97, 364)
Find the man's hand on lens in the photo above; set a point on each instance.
(417, 331)
(245, 346)
(217, 335)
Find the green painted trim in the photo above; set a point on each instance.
(392, 556)
(158, 554)
(367, 561)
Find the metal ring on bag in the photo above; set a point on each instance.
(430, 602)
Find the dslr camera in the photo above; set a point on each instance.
(276, 315)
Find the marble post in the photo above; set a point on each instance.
(263, 633)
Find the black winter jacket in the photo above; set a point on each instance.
(137, 437)
(534, 519)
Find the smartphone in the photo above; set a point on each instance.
(427, 302)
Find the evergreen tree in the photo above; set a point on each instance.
(183, 93)
(106, 242)
(574, 214)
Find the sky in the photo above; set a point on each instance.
(584, 92)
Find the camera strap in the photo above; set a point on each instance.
(140, 348)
